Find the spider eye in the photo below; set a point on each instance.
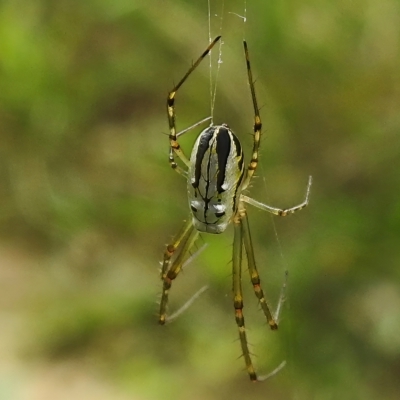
(220, 214)
(194, 209)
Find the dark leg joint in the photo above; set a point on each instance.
(257, 127)
(171, 99)
(255, 281)
(253, 377)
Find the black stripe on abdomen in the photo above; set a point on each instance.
(203, 146)
(223, 151)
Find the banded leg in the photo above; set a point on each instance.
(279, 211)
(254, 276)
(187, 239)
(174, 145)
(257, 123)
(171, 248)
(238, 296)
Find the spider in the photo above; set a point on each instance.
(216, 180)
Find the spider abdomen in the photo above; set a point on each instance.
(214, 178)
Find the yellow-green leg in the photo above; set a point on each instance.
(238, 295)
(254, 276)
(186, 240)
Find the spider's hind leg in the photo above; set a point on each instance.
(254, 276)
(238, 295)
(242, 238)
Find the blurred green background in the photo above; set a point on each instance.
(88, 201)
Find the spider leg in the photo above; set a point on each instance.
(282, 298)
(254, 276)
(238, 295)
(177, 168)
(175, 148)
(186, 239)
(171, 248)
(195, 296)
(279, 211)
(186, 305)
(257, 123)
(174, 165)
(193, 126)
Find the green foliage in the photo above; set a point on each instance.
(88, 199)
